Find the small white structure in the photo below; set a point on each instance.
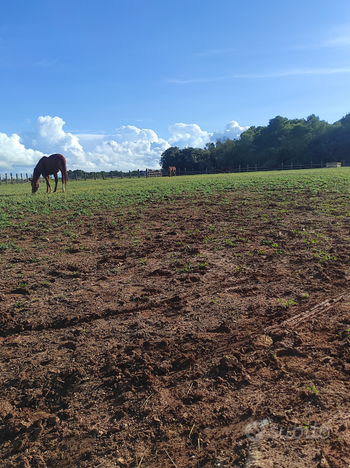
(333, 164)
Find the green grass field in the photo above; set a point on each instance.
(91, 197)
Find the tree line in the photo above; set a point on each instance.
(282, 141)
(80, 174)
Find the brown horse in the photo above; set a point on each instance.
(50, 166)
(172, 171)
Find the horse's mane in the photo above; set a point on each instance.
(37, 171)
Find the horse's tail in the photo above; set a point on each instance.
(64, 171)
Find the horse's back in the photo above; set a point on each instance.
(52, 164)
(57, 157)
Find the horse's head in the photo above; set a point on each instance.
(35, 185)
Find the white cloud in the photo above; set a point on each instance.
(49, 137)
(185, 135)
(340, 41)
(232, 131)
(128, 148)
(128, 155)
(280, 73)
(188, 135)
(45, 63)
(89, 140)
(338, 37)
(14, 155)
(130, 133)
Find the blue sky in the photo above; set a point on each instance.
(111, 84)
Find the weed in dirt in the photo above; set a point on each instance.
(286, 303)
(20, 304)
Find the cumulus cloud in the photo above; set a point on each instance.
(186, 135)
(128, 148)
(128, 155)
(130, 133)
(49, 137)
(14, 156)
(232, 131)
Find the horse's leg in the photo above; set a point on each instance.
(63, 186)
(56, 181)
(48, 186)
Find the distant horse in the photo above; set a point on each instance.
(172, 171)
(50, 166)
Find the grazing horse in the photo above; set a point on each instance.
(50, 166)
(172, 171)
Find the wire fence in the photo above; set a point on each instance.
(10, 178)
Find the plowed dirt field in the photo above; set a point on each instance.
(196, 331)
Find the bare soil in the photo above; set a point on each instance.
(159, 337)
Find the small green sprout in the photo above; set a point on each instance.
(286, 304)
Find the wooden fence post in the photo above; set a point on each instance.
(138, 173)
(239, 168)
(6, 178)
